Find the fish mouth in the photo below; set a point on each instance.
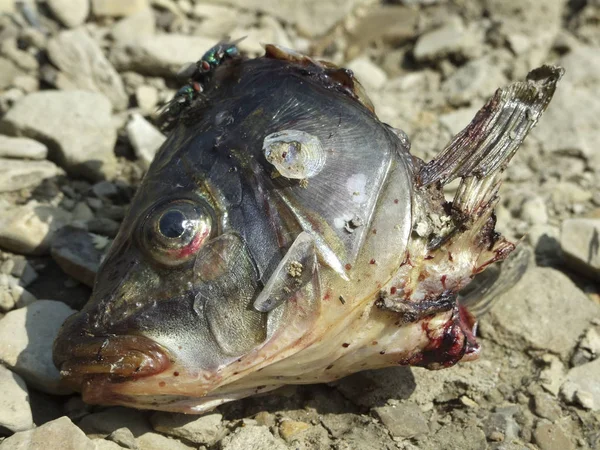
(108, 359)
(468, 325)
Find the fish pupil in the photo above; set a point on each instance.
(171, 224)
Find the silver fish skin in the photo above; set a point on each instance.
(285, 235)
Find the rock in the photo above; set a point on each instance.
(12, 294)
(102, 424)
(534, 211)
(453, 38)
(546, 406)
(219, 21)
(118, 8)
(84, 66)
(75, 252)
(539, 298)
(58, 434)
(588, 348)
(16, 174)
(145, 139)
(356, 431)
(101, 444)
(583, 382)
(310, 17)
(103, 226)
(15, 412)
(75, 125)
(124, 437)
(147, 98)
(455, 436)
(160, 55)
(580, 242)
(393, 24)
(207, 430)
(455, 121)
(28, 229)
(369, 75)
(26, 83)
(20, 268)
(105, 189)
(27, 335)
(404, 420)
(8, 72)
(135, 27)
(12, 147)
(553, 374)
(502, 423)
(290, 429)
(252, 438)
(155, 441)
(551, 436)
(71, 13)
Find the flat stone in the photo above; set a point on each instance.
(8, 72)
(539, 298)
(310, 17)
(550, 436)
(162, 54)
(369, 75)
(12, 294)
(84, 66)
(252, 438)
(15, 411)
(290, 430)
(145, 138)
(404, 420)
(102, 424)
(118, 8)
(583, 382)
(27, 335)
(75, 125)
(71, 13)
(546, 406)
(28, 229)
(16, 174)
(155, 441)
(391, 23)
(124, 437)
(534, 210)
(580, 242)
(135, 27)
(220, 20)
(58, 434)
(76, 253)
(207, 430)
(453, 38)
(24, 148)
(147, 98)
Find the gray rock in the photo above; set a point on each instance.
(15, 412)
(539, 298)
(404, 420)
(117, 8)
(502, 423)
(391, 23)
(588, 348)
(147, 98)
(12, 147)
(580, 242)
(161, 55)
(58, 434)
(369, 74)
(155, 441)
(8, 72)
(12, 294)
(311, 17)
(19, 267)
(101, 444)
(27, 335)
(583, 383)
(75, 125)
(16, 174)
(456, 436)
(551, 436)
(534, 211)
(145, 138)
(71, 13)
(553, 374)
(28, 229)
(453, 38)
(546, 406)
(102, 424)
(455, 121)
(124, 437)
(206, 430)
(252, 438)
(84, 66)
(103, 226)
(220, 20)
(135, 27)
(75, 252)
(105, 189)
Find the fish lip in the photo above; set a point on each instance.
(113, 359)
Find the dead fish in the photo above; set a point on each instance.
(284, 235)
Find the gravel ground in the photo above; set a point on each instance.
(80, 82)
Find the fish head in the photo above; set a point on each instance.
(282, 235)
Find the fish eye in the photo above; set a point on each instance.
(175, 231)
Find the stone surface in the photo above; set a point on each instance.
(117, 8)
(124, 437)
(58, 434)
(27, 335)
(16, 174)
(155, 441)
(583, 382)
(71, 13)
(28, 229)
(290, 429)
(76, 252)
(369, 74)
(83, 66)
(75, 125)
(145, 138)
(135, 27)
(15, 412)
(206, 430)
(453, 38)
(534, 313)
(8, 72)
(580, 242)
(12, 294)
(252, 438)
(12, 147)
(161, 54)
(550, 436)
(147, 98)
(404, 420)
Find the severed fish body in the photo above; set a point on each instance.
(284, 235)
